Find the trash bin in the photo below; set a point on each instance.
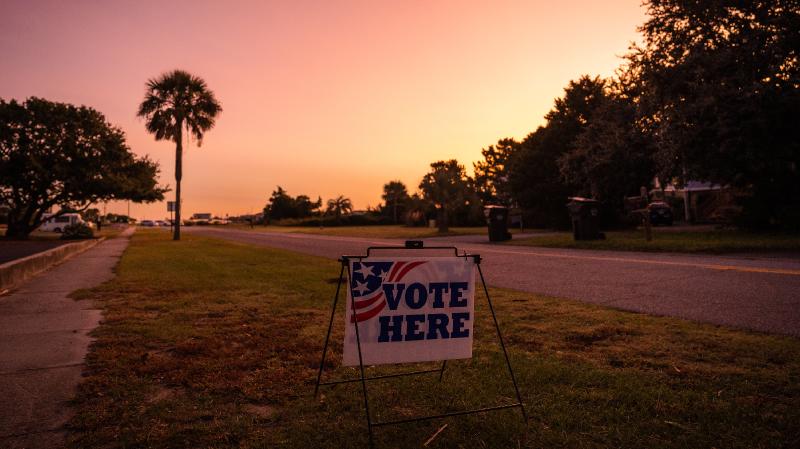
(497, 220)
(585, 214)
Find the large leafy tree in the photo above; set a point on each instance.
(175, 102)
(282, 205)
(305, 207)
(535, 178)
(56, 155)
(612, 157)
(395, 196)
(718, 87)
(448, 188)
(492, 173)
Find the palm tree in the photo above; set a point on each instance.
(174, 101)
(395, 195)
(340, 205)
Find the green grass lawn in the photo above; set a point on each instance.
(383, 231)
(207, 343)
(664, 239)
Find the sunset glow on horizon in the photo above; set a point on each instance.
(321, 98)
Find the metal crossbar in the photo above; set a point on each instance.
(385, 376)
(446, 415)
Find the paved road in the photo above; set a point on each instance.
(43, 342)
(12, 250)
(759, 293)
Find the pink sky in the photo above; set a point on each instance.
(321, 97)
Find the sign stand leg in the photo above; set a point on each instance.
(330, 327)
(361, 363)
(502, 344)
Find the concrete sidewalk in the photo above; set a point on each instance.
(43, 342)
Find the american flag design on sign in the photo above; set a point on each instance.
(366, 283)
(409, 309)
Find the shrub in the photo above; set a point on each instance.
(330, 221)
(77, 231)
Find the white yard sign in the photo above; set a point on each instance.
(410, 309)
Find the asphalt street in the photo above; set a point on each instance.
(760, 293)
(17, 249)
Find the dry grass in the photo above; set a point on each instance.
(211, 344)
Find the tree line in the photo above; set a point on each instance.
(446, 194)
(282, 206)
(61, 157)
(712, 94)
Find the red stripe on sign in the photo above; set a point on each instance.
(408, 268)
(396, 267)
(364, 316)
(367, 302)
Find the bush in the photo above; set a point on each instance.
(330, 221)
(77, 231)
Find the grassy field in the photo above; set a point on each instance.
(712, 241)
(387, 231)
(210, 344)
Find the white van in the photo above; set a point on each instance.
(58, 224)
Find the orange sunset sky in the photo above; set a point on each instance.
(321, 97)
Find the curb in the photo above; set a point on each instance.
(14, 273)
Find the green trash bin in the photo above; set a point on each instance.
(585, 215)
(497, 220)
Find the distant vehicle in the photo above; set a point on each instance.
(57, 224)
(201, 219)
(660, 213)
(161, 223)
(147, 223)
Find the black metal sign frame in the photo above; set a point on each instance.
(410, 245)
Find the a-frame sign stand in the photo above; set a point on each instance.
(410, 245)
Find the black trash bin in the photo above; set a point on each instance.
(497, 219)
(585, 214)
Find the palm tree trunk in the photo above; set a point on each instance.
(178, 175)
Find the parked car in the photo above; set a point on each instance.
(161, 223)
(660, 213)
(147, 223)
(57, 224)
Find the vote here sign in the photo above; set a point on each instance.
(409, 309)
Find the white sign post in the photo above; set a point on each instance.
(409, 310)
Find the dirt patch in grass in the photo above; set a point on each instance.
(212, 344)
